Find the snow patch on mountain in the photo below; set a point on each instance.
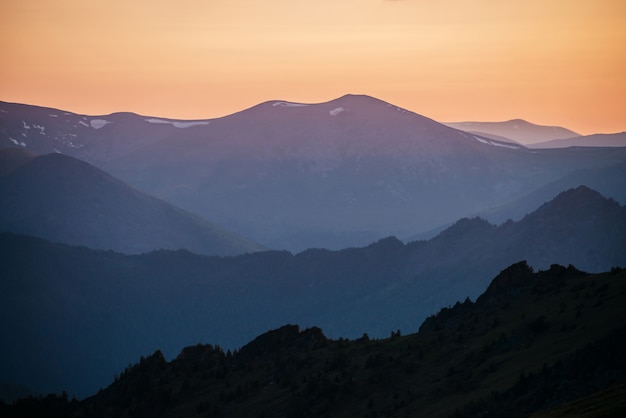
(289, 104)
(179, 124)
(154, 120)
(336, 111)
(500, 144)
(98, 123)
(190, 124)
(52, 115)
(83, 123)
(16, 142)
(495, 144)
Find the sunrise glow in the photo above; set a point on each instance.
(555, 63)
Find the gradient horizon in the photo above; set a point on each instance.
(561, 63)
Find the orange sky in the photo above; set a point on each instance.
(554, 62)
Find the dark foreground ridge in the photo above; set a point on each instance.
(534, 342)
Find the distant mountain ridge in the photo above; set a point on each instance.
(609, 181)
(517, 130)
(596, 140)
(121, 307)
(66, 200)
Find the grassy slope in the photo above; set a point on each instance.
(610, 402)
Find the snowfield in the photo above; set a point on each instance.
(336, 111)
(495, 144)
(289, 104)
(179, 124)
(98, 123)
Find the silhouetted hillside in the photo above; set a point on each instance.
(66, 200)
(106, 309)
(533, 342)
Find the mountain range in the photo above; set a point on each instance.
(516, 130)
(596, 140)
(117, 229)
(66, 200)
(519, 131)
(99, 310)
(542, 344)
(609, 181)
(295, 176)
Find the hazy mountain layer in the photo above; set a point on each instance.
(597, 140)
(294, 176)
(517, 130)
(66, 200)
(609, 181)
(76, 316)
(14, 158)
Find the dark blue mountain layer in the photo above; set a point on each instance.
(66, 200)
(76, 316)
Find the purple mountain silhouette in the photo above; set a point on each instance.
(294, 176)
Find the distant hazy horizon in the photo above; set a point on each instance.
(559, 63)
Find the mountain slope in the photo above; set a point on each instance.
(518, 130)
(341, 173)
(14, 158)
(597, 140)
(568, 222)
(532, 341)
(296, 176)
(66, 200)
(118, 307)
(90, 138)
(609, 181)
(273, 128)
